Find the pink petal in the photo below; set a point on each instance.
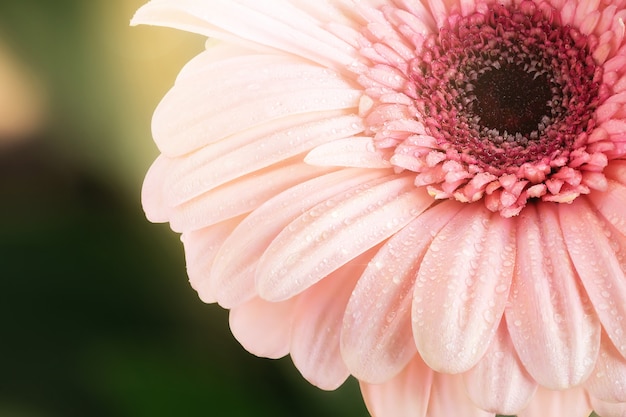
(611, 204)
(617, 171)
(550, 318)
(317, 326)
(189, 117)
(263, 328)
(406, 395)
(206, 169)
(440, 11)
(272, 23)
(335, 10)
(545, 403)
(604, 25)
(607, 409)
(598, 254)
(152, 198)
(233, 274)
(419, 11)
(376, 341)
(449, 398)
(349, 152)
(336, 231)
(462, 288)
(584, 9)
(419, 392)
(608, 380)
(213, 56)
(201, 247)
(240, 196)
(499, 383)
(416, 17)
(160, 14)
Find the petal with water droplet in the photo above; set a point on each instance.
(232, 275)
(241, 195)
(499, 383)
(291, 87)
(317, 326)
(201, 247)
(462, 288)
(599, 255)
(329, 235)
(248, 152)
(550, 318)
(611, 204)
(377, 340)
(348, 152)
(607, 382)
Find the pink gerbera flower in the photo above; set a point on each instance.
(430, 196)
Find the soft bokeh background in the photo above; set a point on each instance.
(96, 315)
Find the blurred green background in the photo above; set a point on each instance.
(96, 315)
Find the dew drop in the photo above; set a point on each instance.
(489, 316)
(501, 288)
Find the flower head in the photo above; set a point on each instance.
(429, 196)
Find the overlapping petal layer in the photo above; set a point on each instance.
(549, 306)
(376, 338)
(499, 381)
(461, 289)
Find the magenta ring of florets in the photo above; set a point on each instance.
(500, 40)
(422, 111)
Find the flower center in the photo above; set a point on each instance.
(510, 100)
(497, 104)
(506, 88)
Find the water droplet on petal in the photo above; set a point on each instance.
(501, 288)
